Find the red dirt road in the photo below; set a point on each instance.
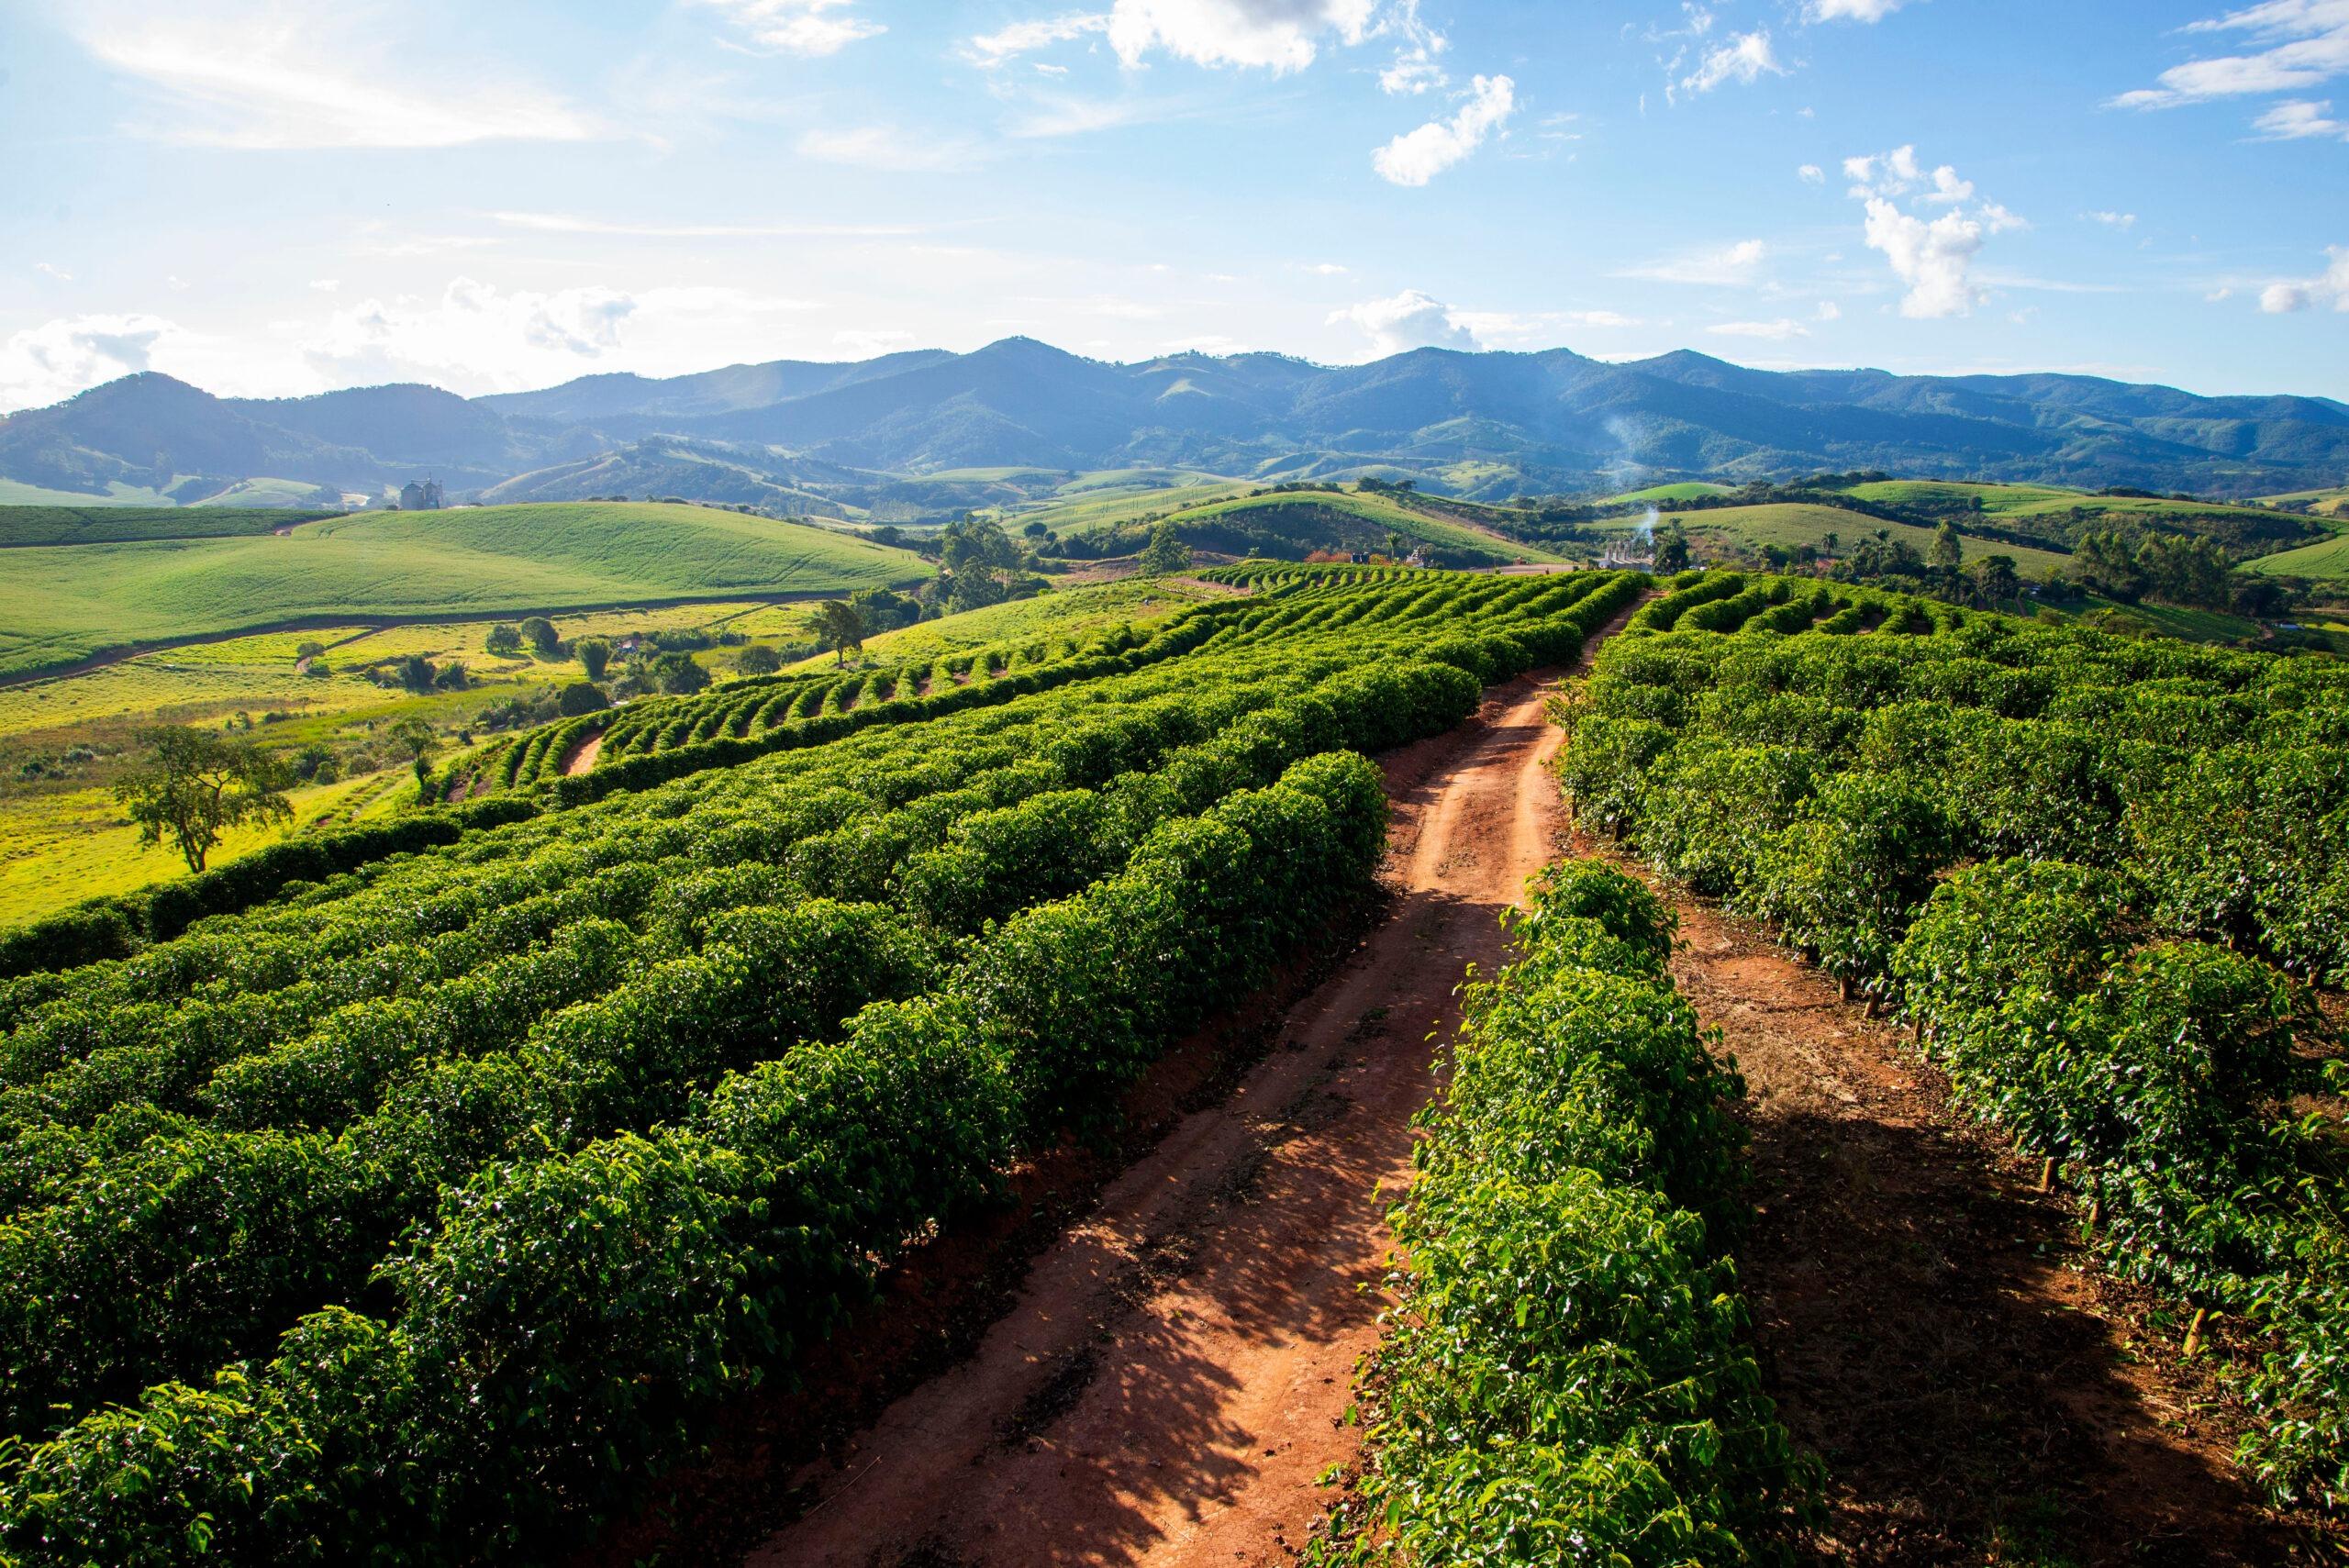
(1173, 1377)
(582, 756)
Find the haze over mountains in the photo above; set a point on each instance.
(1488, 425)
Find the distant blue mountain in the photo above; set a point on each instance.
(1485, 423)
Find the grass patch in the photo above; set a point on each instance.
(1791, 525)
(1687, 490)
(2326, 559)
(64, 603)
(1309, 519)
(1067, 612)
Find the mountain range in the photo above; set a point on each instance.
(795, 435)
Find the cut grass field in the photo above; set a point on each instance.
(208, 682)
(1791, 525)
(58, 849)
(2020, 501)
(2333, 503)
(1309, 518)
(1066, 612)
(2326, 560)
(1687, 490)
(63, 840)
(1113, 497)
(85, 524)
(61, 604)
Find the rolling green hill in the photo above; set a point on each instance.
(2333, 503)
(2327, 559)
(2005, 501)
(1067, 612)
(119, 524)
(1792, 525)
(1687, 490)
(61, 604)
(1289, 523)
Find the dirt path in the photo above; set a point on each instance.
(582, 756)
(1170, 1381)
(1923, 1319)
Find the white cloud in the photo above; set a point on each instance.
(991, 49)
(886, 147)
(2328, 290)
(271, 85)
(1060, 115)
(2112, 220)
(2298, 44)
(1850, 10)
(1934, 258)
(812, 28)
(50, 269)
(473, 326)
(325, 285)
(1327, 269)
(475, 336)
(570, 223)
(1948, 189)
(1278, 36)
(1414, 69)
(43, 364)
(1418, 156)
(1721, 268)
(869, 343)
(2219, 294)
(1409, 320)
(1830, 311)
(1537, 328)
(2295, 119)
(1743, 57)
(1812, 174)
(1212, 343)
(1779, 331)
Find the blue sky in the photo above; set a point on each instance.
(280, 198)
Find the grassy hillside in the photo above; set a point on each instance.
(2326, 559)
(2333, 503)
(104, 524)
(1087, 507)
(2022, 501)
(64, 603)
(17, 493)
(1068, 612)
(1292, 522)
(1687, 490)
(1791, 525)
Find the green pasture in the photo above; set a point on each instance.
(64, 603)
(1790, 524)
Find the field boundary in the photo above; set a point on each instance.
(112, 656)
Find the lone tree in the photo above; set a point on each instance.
(415, 737)
(840, 626)
(1999, 580)
(540, 633)
(758, 660)
(678, 674)
(1166, 552)
(1946, 554)
(594, 655)
(195, 784)
(1672, 549)
(505, 641)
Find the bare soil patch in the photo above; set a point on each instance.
(582, 757)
